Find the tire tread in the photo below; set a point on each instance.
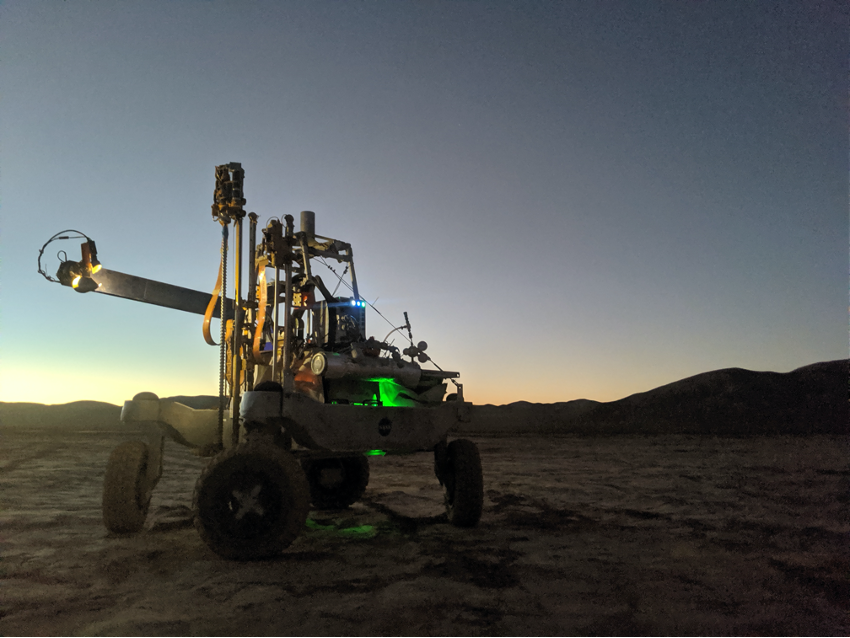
(125, 504)
(298, 496)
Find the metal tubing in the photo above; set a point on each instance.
(276, 317)
(251, 313)
(288, 383)
(353, 276)
(236, 366)
(252, 262)
(222, 342)
(305, 254)
(119, 284)
(331, 365)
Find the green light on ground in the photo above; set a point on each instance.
(375, 453)
(360, 531)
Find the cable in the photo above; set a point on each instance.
(392, 331)
(347, 285)
(340, 277)
(57, 237)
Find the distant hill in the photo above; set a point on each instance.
(522, 416)
(730, 402)
(809, 400)
(79, 415)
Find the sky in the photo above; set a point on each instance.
(570, 199)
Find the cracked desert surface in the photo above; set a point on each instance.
(678, 535)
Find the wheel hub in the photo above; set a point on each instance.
(247, 502)
(331, 477)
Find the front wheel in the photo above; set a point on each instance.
(252, 501)
(125, 494)
(463, 483)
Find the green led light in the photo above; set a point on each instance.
(390, 394)
(393, 394)
(375, 453)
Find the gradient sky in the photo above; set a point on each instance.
(570, 199)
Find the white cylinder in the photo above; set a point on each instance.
(336, 366)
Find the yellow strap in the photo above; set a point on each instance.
(261, 358)
(210, 309)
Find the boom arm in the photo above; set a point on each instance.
(119, 284)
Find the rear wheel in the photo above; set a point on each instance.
(463, 483)
(125, 495)
(252, 500)
(336, 483)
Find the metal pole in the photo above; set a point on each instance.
(354, 289)
(287, 313)
(236, 366)
(276, 317)
(222, 342)
(252, 270)
(251, 314)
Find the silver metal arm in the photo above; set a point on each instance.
(119, 284)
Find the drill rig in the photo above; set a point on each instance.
(305, 398)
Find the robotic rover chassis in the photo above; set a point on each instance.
(304, 397)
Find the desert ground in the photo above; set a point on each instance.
(625, 535)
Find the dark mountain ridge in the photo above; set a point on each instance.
(734, 401)
(77, 415)
(729, 402)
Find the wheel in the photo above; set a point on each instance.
(252, 500)
(463, 483)
(125, 496)
(336, 483)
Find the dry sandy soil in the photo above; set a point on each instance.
(616, 535)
